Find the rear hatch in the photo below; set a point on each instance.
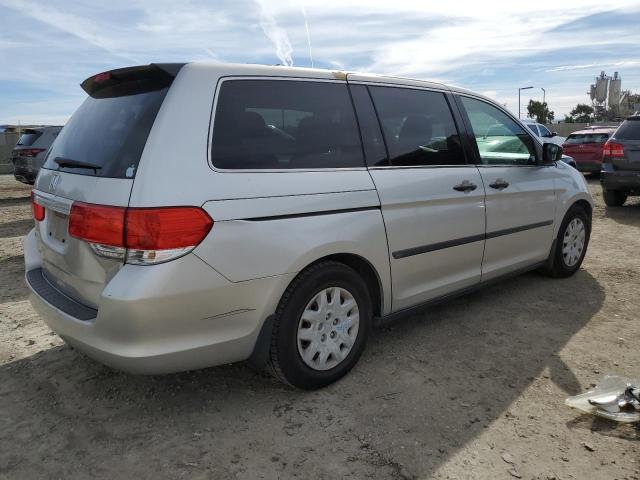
(94, 161)
(585, 147)
(628, 136)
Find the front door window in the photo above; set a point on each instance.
(500, 140)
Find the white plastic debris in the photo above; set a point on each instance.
(616, 398)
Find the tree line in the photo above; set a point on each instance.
(539, 111)
(582, 113)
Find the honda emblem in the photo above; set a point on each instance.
(55, 180)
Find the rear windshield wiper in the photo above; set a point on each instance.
(70, 163)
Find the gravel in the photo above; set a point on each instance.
(473, 388)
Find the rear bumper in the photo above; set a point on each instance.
(24, 173)
(620, 180)
(181, 315)
(588, 165)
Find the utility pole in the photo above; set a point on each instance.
(519, 90)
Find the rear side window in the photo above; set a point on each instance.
(418, 127)
(629, 130)
(533, 128)
(580, 138)
(109, 133)
(29, 138)
(285, 124)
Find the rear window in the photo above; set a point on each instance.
(580, 138)
(109, 133)
(629, 130)
(285, 124)
(29, 138)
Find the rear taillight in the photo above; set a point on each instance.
(165, 228)
(29, 152)
(139, 235)
(36, 208)
(612, 149)
(97, 224)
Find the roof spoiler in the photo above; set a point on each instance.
(131, 80)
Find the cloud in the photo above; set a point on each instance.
(625, 63)
(490, 47)
(82, 28)
(276, 34)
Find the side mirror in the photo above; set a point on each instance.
(554, 134)
(551, 153)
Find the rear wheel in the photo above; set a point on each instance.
(614, 198)
(321, 326)
(571, 243)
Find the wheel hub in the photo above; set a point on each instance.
(328, 328)
(573, 242)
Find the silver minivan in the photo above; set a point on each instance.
(190, 215)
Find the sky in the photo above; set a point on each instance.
(48, 47)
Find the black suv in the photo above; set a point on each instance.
(620, 176)
(30, 151)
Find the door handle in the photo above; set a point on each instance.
(465, 186)
(499, 184)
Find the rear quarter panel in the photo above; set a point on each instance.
(243, 247)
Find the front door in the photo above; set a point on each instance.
(520, 193)
(432, 200)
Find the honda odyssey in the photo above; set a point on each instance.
(199, 214)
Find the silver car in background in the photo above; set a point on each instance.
(546, 135)
(541, 131)
(190, 215)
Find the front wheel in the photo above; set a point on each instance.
(571, 243)
(614, 198)
(321, 326)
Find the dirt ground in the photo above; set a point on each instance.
(471, 389)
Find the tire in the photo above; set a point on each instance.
(614, 198)
(286, 352)
(564, 260)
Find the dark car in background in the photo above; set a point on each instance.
(28, 155)
(620, 176)
(586, 148)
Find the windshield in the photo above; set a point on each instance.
(109, 133)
